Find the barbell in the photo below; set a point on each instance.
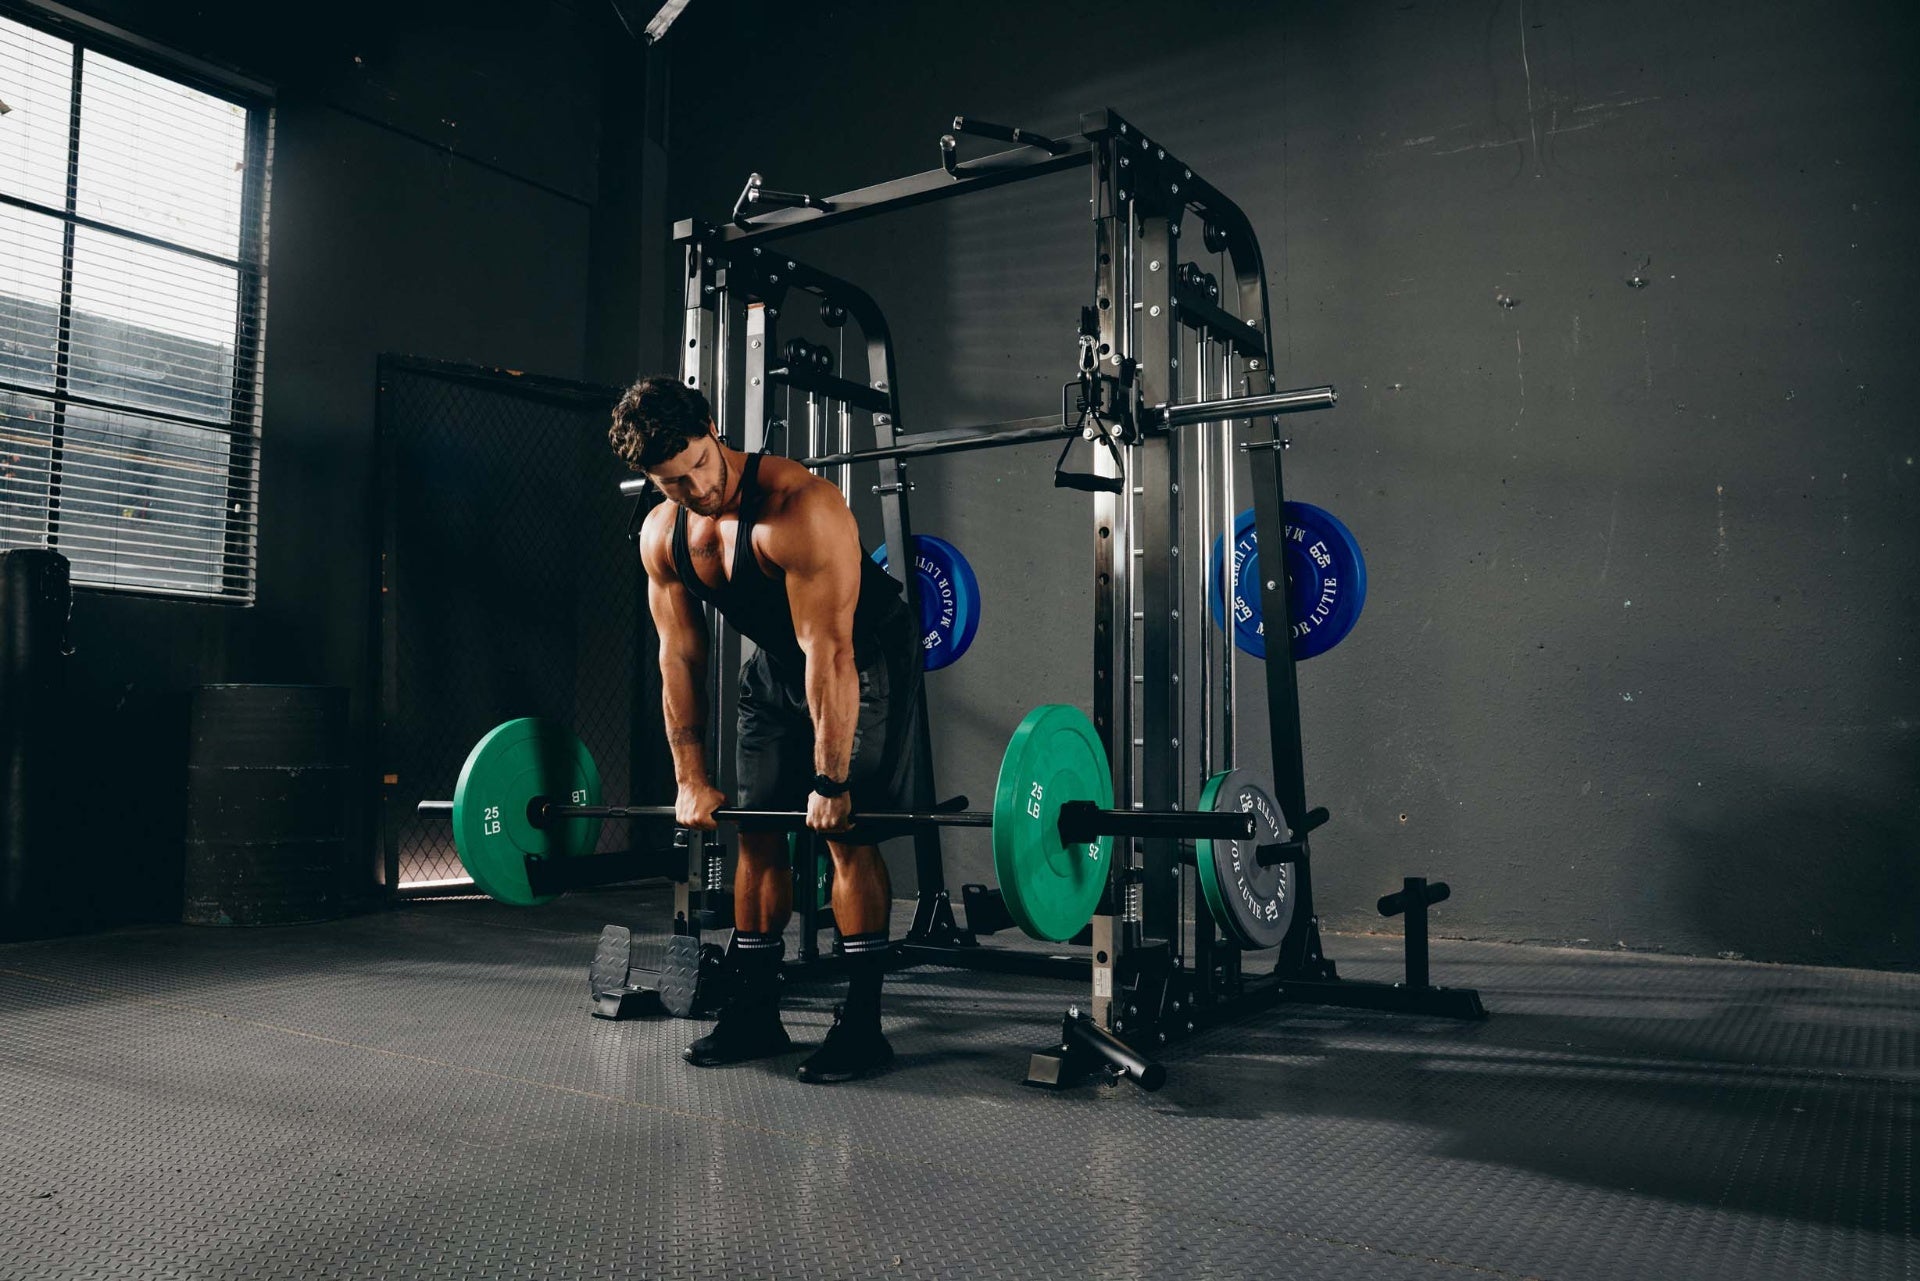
(529, 794)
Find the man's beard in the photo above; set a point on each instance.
(708, 504)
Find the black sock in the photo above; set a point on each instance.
(756, 966)
(866, 966)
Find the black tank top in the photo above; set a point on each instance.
(756, 606)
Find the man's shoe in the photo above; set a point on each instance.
(850, 1050)
(744, 1032)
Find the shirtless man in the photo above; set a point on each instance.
(828, 703)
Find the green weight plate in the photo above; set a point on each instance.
(515, 763)
(1252, 904)
(823, 870)
(1051, 888)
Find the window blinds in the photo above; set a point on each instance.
(132, 255)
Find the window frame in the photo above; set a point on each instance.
(238, 568)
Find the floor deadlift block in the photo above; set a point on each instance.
(682, 986)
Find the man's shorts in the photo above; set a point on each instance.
(774, 758)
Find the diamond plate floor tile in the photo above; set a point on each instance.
(422, 1094)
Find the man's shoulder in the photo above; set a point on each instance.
(658, 522)
(804, 515)
(656, 532)
(782, 474)
(794, 491)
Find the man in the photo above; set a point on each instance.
(828, 703)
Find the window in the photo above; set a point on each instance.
(132, 297)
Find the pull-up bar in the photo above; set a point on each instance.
(1020, 431)
(901, 193)
(1029, 431)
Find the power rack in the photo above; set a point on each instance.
(1175, 378)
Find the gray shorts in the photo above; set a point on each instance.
(773, 760)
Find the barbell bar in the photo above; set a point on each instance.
(1079, 821)
(530, 792)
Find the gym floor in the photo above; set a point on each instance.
(422, 1093)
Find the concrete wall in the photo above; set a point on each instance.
(436, 188)
(1637, 666)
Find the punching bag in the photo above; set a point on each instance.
(36, 602)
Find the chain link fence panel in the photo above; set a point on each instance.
(509, 588)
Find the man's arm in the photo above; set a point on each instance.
(818, 547)
(682, 628)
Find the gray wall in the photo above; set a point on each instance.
(1637, 666)
(435, 192)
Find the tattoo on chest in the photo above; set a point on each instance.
(704, 551)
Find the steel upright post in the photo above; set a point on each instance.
(1156, 494)
(1113, 573)
(700, 366)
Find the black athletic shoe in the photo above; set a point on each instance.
(744, 1032)
(850, 1050)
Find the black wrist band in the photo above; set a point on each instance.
(824, 786)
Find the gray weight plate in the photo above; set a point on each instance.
(1253, 905)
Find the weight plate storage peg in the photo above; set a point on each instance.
(1052, 888)
(1252, 904)
(1325, 571)
(949, 599)
(515, 763)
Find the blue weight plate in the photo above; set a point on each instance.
(949, 563)
(949, 598)
(1326, 572)
(1248, 631)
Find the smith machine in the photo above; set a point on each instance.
(1175, 375)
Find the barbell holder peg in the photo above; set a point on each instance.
(1282, 852)
(1122, 1059)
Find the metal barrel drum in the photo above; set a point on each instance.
(267, 805)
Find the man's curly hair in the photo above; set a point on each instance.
(656, 419)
